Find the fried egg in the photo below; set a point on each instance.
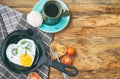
(22, 53)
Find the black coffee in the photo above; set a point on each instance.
(51, 10)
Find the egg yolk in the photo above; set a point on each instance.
(25, 60)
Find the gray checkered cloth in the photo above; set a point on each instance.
(11, 20)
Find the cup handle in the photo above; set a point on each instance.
(65, 12)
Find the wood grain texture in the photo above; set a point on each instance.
(94, 32)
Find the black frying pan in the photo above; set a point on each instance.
(40, 57)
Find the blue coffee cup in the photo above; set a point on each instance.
(52, 12)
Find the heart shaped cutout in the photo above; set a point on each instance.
(23, 53)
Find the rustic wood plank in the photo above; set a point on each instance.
(90, 74)
(93, 47)
(20, 5)
(94, 31)
(94, 13)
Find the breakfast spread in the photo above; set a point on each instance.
(22, 53)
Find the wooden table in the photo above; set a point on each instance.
(94, 32)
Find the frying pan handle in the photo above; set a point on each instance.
(68, 69)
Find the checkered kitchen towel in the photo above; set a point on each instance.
(11, 20)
